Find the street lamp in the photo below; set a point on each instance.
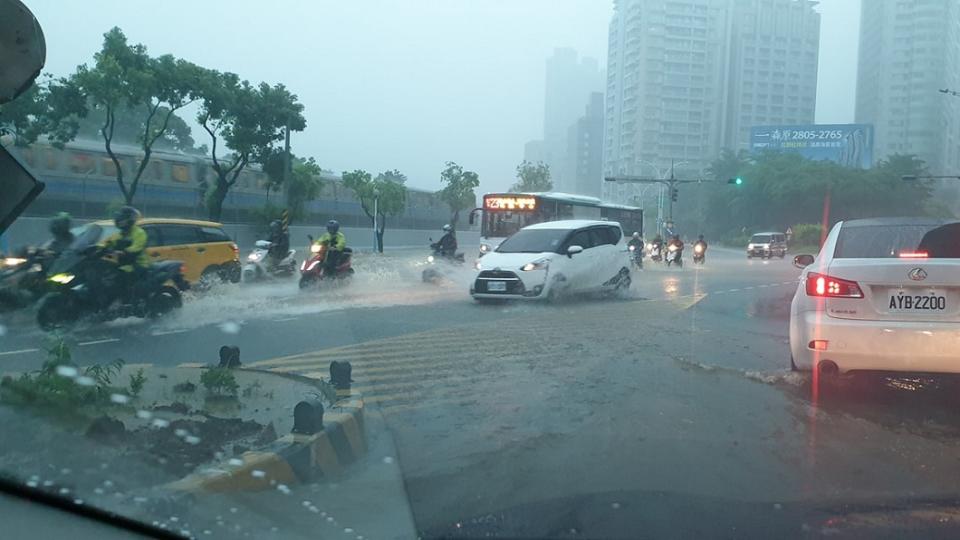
(376, 209)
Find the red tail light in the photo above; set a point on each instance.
(825, 286)
(236, 251)
(914, 255)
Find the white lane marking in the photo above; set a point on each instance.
(21, 351)
(287, 319)
(97, 342)
(733, 290)
(748, 288)
(169, 332)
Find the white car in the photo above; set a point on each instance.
(884, 295)
(557, 258)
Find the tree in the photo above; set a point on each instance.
(50, 107)
(533, 177)
(249, 120)
(129, 127)
(379, 197)
(125, 76)
(305, 185)
(458, 190)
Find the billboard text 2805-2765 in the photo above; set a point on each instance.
(850, 145)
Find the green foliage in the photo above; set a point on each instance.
(49, 388)
(806, 234)
(459, 189)
(783, 189)
(137, 380)
(219, 381)
(50, 107)
(125, 78)
(386, 194)
(249, 120)
(305, 186)
(532, 177)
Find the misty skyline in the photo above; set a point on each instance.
(396, 84)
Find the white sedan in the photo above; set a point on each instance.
(884, 295)
(546, 260)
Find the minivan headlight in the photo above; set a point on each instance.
(540, 264)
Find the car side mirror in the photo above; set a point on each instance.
(803, 261)
(573, 250)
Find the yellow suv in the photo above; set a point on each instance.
(203, 246)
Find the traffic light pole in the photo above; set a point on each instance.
(670, 183)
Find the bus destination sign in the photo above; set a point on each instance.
(509, 203)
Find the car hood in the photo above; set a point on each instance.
(510, 261)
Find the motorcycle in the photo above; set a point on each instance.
(82, 282)
(673, 255)
(433, 273)
(260, 265)
(699, 254)
(656, 254)
(313, 270)
(636, 255)
(23, 278)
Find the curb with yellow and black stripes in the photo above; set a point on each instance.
(292, 459)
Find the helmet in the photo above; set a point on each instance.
(333, 226)
(447, 228)
(60, 224)
(636, 234)
(275, 225)
(126, 217)
(700, 237)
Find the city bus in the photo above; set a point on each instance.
(503, 214)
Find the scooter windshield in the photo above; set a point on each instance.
(69, 258)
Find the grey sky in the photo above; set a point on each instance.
(405, 84)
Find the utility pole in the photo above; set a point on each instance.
(670, 183)
(286, 156)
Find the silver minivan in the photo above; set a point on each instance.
(766, 245)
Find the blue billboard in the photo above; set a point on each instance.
(850, 145)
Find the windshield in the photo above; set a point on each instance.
(802, 375)
(935, 241)
(534, 241)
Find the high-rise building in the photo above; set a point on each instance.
(774, 49)
(686, 78)
(569, 83)
(584, 155)
(908, 51)
(533, 152)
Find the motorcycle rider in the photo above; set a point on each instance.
(703, 245)
(447, 245)
(279, 239)
(635, 241)
(336, 242)
(130, 245)
(62, 237)
(676, 241)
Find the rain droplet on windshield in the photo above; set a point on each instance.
(191, 439)
(180, 432)
(67, 371)
(145, 415)
(235, 462)
(85, 381)
(230, 327)
(160, 423)
(117, 398)
(256, 473)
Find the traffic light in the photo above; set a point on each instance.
(673, 194)
(738, 181)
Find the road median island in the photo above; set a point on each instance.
(323, 451)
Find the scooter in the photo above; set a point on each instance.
(23, 278)
(434, 273)
(82, 283)
(259, 266)
(699, 254)
(313, 270)
(636, 256)
(673, 256)
(656, 253)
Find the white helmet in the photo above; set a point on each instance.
(636, 234)
(447, 228)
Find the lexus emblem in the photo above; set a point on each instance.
(918, 274)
